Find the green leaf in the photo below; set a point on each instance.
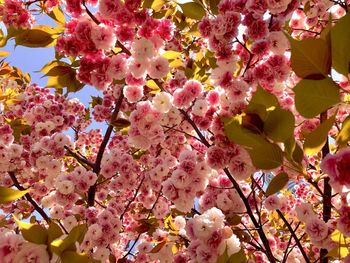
(266, 156)
(315, 96)
(76, 235)
(240, 135)
(57, 15)
(39, 36)
(54, 232)
(293, 150)
(58, 70)
(264, 98)
(32, 232)
(238, 257)
(277, 184)
(279, 125)
(213, 4)
(74, 257)
(19, 127)
(193, 10)
(315, 140)
(340, 39)
(338, 252)
(156, 5)
(9, 194)
(344, 134)
(310, 58)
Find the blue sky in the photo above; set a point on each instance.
(30, 60)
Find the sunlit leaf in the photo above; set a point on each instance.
(39, 36)
(4, 53)
(9, 194)
(266, 156)
(193, 10)
(340, 39)
(32, 232)
(315, 96)
(310, 58)
(315, 140)
(57, 15)
(76, 235)
(239, 135)
(75, 257)
(344, 134)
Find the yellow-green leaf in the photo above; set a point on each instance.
(338, 252)
(266, 156)
(277, 184)
(238, 257)
(193, 10)
(75, 257)
(172, 54)
(4, 53)
(315, 96)
(76, 235)
(213, 4)
(39, 36)
(279, 125)
(54, 232)
(340, 39)
(57, 15)
(262, 97)
(344, 134)
(9, 194)
(315, 140)
(310, 58)
(32, 232)
(156, 5)
(240, 135)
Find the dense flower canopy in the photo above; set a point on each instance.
(226, 134)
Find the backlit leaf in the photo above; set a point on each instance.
(340, 39)
(279, 125)
(32, 232)
(75, 257)
(315, 96)
(266, 156)
(9, 194)
(76, 235)
(310, 58)
(344, 134)
(315, 140)
(277, 184)
(39, 36)
(193, 10)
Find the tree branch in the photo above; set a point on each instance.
(29, 198)
(97, 165)
(327, 193)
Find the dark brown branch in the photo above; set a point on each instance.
(260, 230)
(97, 165)
(29, 198)
(327, 193)
(91, 14)
(79, 158)
(194, 126)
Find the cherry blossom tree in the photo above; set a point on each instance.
(226, 134)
